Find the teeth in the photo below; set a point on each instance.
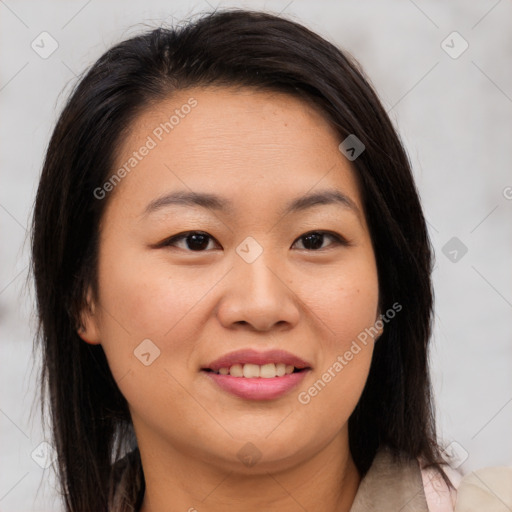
(251, 371)
(267, 371)
(281, 369)
(236, 370)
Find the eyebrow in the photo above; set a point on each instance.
(214, 202)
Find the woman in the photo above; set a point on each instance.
(233, 281)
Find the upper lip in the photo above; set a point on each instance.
(255, 357)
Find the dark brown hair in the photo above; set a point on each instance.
(90, 417)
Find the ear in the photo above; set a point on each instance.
(379, 324)
(88, 329)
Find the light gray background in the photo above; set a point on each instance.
(454, 115)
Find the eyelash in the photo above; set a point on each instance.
(338, 239)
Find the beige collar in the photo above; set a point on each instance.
(391, 486)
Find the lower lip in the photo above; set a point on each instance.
(258, 388)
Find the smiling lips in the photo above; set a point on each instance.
(256, 375)
(251, 371)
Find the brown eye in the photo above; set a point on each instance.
(314, 240)
(196, 241)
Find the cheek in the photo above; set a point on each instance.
(345, 301)
(141, 301)
(150, 297)
(346, 308)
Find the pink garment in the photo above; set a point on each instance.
(440, 498)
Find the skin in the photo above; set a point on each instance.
(259, 150)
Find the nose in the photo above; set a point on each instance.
(257, 296)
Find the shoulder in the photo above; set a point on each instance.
(488, 489)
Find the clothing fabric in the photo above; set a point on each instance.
(389, 485)
(487, 489)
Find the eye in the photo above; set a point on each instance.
(196, 241)
(314, 240)
(199, 241)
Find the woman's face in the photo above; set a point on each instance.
(255, 279)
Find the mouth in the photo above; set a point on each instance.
(253, 375)
(252, 364)
(254, 371)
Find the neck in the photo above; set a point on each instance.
(326, 482)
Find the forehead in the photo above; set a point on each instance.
(235, 142)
